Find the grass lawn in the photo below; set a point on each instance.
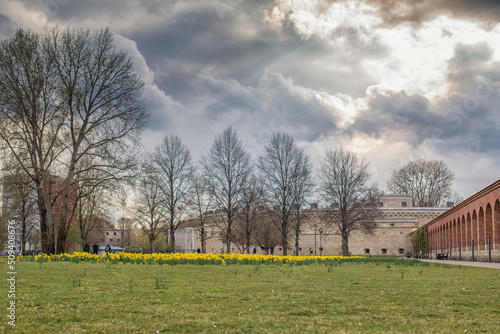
(65, 297)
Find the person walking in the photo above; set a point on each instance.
(86, 248)
(95, 248)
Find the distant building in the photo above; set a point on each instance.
(186, 235)
(115, 237)
(391, 236)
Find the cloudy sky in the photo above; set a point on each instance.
(391, 80)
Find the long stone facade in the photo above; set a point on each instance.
(391, 235)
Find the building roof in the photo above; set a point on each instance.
(476, 196)
(395, 195)
(188, 223)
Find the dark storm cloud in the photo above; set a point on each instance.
(417, 12)
(466, 118)
(397, 115)
(469, 61)
(275, 104)
(474, 101)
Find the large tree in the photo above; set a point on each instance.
(149, 209)
(31, 117)
(250, 211)
(343, 180)
(285, 171)
(226, 169)
(93, 199)
(201, 204)
(428, 182)
(175, 175)
(70, 103)
(266, 234)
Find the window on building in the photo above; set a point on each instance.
(401, 251)
(117, 240)
(114, 233)
(107, 233)
(384, 251)
(110, 240)
(300, 249)
(403, 204)
(367, 250)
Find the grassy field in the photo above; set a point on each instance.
(65, 297)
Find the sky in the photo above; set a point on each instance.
(392, 81)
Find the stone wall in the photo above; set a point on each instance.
(391, 236)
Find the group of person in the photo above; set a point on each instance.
(95, 248)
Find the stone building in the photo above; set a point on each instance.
(391, 235)
(115, 237)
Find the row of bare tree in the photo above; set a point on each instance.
(251, 200)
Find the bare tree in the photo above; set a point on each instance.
(175, 172)
(226, 168)
(343, 180)
(249, 210)
(68, 95)
(428, 182)
(266, 233)
(201, 204)
(285, 171)
(90, 209)
(105, 110)
(303, 186)
(149, 209)
(31, 118)
(20, 204)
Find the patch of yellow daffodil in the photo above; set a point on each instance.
(190, 258)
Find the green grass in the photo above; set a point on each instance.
(65, 297)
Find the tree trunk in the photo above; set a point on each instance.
(62, 237)
(248, 242)
(172, 238)
(345, 246)
(151, 245)
(297, 233)
(23, 236)
(284, 241)
(47, 241)
(203, 239)
(297, 243)
(228, 234)
(67, 212)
